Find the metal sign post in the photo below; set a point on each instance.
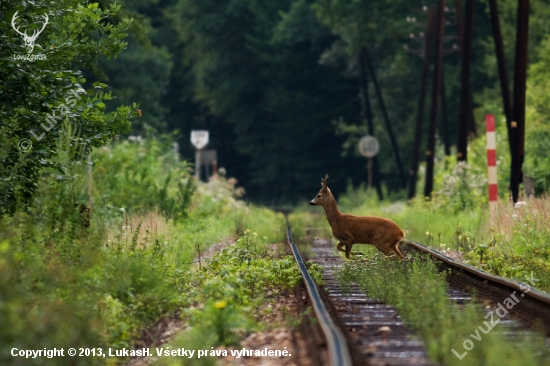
(199, 138)
(368, 147)
(208, 158)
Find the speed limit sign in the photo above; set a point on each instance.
(368, 146)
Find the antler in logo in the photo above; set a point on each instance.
(29, 40)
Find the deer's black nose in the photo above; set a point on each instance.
(311, 203)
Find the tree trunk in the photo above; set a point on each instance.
(520, 78)
(503, 75)
(465, 108)
(444, 117)
(436, 84)
(421, 102)
(367, 115)
(385, 115)
(459, 23)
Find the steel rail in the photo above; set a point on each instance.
(339, 354)
(534, 305)
(534, 293)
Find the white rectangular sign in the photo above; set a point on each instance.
(199, 138)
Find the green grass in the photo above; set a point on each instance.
(62, 285)
(515, 243)
(418, 292)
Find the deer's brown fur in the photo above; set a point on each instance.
(381, 232)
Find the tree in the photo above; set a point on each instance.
(269, 78)
(537, 131)
(141, 72)
(42, 88)
(253, 67)
(360, 24)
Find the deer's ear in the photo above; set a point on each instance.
(324, 181)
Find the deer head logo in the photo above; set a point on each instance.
(29, 40)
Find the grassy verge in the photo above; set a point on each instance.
(228, 299)
(418, 292)
(64, 284)
(515, 243)
(456, 219)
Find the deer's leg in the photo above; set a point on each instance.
(388, 244)
(389, 248)
(397, 251)
(347, 250)
(346, 239)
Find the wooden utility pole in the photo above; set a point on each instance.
(465, 108)
(413, 172)
(503, 75)
(389, 128)
(436, 84)
(520, 81)
(367, 115)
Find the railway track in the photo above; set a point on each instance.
(373, 333)
(534, 306)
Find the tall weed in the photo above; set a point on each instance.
(138, 175)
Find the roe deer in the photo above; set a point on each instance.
(383, 233)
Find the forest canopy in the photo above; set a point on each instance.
(277, 83)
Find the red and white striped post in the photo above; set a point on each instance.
(492, 163)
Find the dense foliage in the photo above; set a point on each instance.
(276, 82)
(40, 90)
(63, 284)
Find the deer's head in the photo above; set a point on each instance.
(323, 195)
(29, 40)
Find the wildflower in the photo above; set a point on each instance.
(220, 304)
